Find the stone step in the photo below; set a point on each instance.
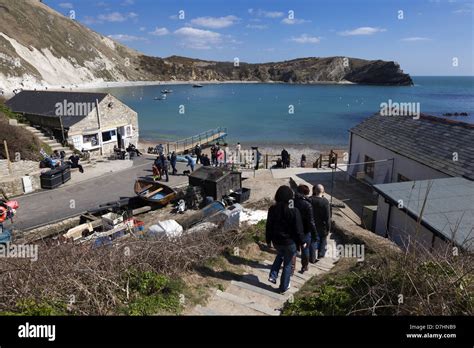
(312, 271)
(297, 280)
(200, 310)
(226, 307)
(261, 280)
(245, 302)
(258, 290)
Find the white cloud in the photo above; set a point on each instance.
(126, 38)
(256, 26)
(294, 21)
(198, 38)
(305, 39)
(142, 28)
(215, 22)
(362, 31)
(67, 5)
(415, 38)
(159, 32)
(128, 2)
(263, 13)
(117, 17)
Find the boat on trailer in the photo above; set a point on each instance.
(154, 192)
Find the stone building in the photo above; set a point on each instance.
(93, 122)
(384, 149)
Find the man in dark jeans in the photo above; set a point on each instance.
(173, 159)
(165, 164)
(284, 229)
(303, 204)
(322, 219)
(198, 153)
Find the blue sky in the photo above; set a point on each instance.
(427, 38)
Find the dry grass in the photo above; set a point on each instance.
(99, 278)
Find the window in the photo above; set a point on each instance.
(110, 135)
(369, 168)
(402, 178)
(128, 131)
(93, 139)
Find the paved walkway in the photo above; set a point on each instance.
(108, 182)
(253, 294)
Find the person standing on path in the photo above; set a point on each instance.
(198, 153)
(303, 204)
(165, 166)
(284, 229)
(173, 159)
(322, 219)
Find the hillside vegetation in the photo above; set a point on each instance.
(18, 138)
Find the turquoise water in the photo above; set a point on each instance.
(259, 113)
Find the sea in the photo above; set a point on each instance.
(266, 114)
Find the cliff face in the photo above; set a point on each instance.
(304, 70)
(39, 46)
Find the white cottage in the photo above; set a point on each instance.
(94, 122)
(386, 149)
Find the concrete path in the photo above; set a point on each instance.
(86, 191)
(253, 294)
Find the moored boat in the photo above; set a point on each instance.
(154, 192)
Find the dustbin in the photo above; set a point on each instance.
(51, 179)
(66, 172)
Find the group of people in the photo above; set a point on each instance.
(131, 150)
(161, 166)
(297, 222)
(201, 157)
(58, 158)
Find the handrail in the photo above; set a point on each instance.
(203, 137)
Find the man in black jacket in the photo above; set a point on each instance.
(322, 219)
(303, 204)
(284, 229)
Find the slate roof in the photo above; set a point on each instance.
(449, 208)
(43, 103)
(428, 140)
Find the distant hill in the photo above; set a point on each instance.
(41, 46)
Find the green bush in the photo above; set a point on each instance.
(29, 307)
(152, 293)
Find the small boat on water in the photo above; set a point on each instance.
(154, 192)
(166, 91)
(197, 85)
(163, 97)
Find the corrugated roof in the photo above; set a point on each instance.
(449, 207)
(43, 103)
(429, 140)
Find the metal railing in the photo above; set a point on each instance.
(201, 138)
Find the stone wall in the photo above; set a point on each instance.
(12, 184)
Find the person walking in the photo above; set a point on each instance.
(322, 219)
(284, 229)
(165, 164)
(198, 152)
(285, 158)
(214, 155)
(303, 204)
(173, 159)
(157, 168)
(238, 149)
